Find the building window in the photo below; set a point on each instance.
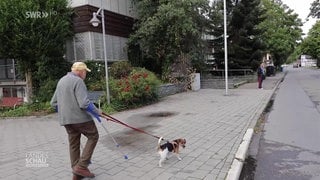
(7, 69)
(9, 92)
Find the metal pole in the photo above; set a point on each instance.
(14, 70)
(105, 55)
(225, 45)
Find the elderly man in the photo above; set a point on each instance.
(75, 113)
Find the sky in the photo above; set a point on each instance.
(302, 8)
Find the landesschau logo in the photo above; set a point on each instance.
(39, 14)
(37, 159)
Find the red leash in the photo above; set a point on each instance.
(136, 129)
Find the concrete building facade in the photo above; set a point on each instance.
(87, 43)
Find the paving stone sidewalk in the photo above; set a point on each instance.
(212, 123)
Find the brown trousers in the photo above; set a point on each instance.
(74, 131)
(260, 79)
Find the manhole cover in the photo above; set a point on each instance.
(161, 114)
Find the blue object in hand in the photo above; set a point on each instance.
(91, 109)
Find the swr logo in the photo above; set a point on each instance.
(38, 14)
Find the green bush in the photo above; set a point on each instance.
(37, 108)
(97, 85)
(46, 90)
(20, 111)
(137, 89)
(95, 80)
(40, 106)
(120, 69)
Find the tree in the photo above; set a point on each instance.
(295, 55)
(311, 44)
(281, 30)
(245, 49)
(216, 30)
(245, 46)
(167, 30)
(315, 9)
(32, 32)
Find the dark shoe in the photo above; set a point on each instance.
(77, 177)
(80, 171)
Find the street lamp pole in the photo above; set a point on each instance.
(225, 45)
(95, 22)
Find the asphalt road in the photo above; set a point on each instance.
(289, 146)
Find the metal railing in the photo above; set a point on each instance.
(231, 72)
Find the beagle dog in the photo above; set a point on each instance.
(172, 146)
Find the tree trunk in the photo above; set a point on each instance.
(29, 92)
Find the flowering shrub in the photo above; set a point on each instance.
(120, 69)
(139, 87)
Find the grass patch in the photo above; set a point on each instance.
(34, 109)
(259, 125)
(41, 109)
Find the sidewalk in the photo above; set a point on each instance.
(212, 123)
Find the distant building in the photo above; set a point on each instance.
(209, 58)
(11, 83)
(307, 61)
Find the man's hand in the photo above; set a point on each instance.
(94, 111)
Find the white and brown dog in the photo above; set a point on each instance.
(168, 147)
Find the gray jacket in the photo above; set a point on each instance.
(71, 99)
